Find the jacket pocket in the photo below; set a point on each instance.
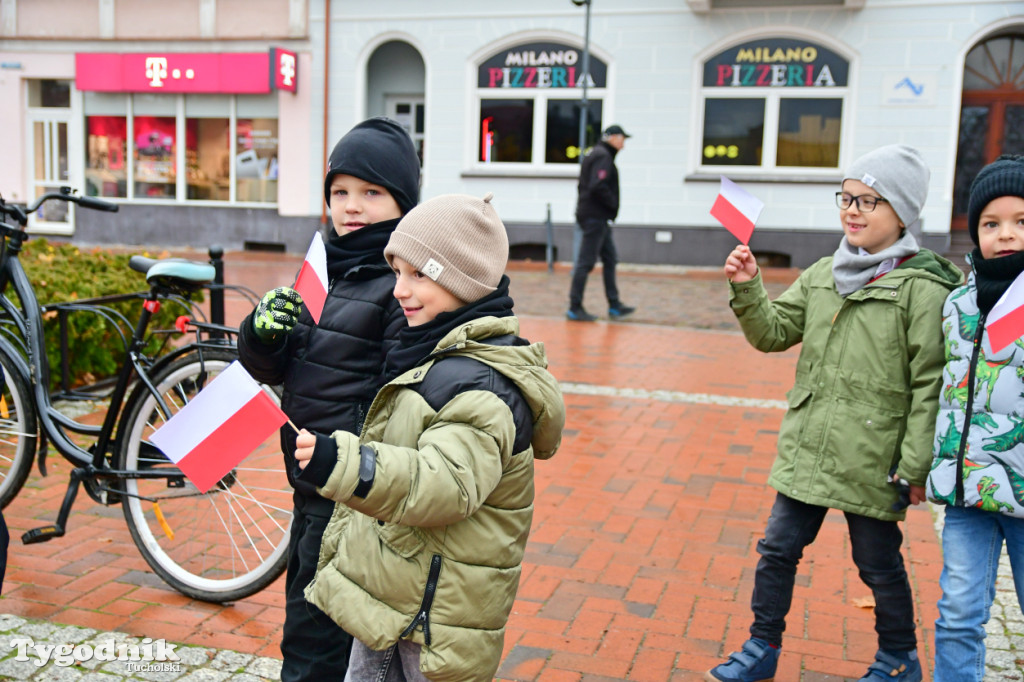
(863, 442)
(405, 541)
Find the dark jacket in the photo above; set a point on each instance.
(331, 372)
(599, 185)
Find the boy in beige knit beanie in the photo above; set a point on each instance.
(422, 557)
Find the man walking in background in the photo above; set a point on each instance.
(596, 208)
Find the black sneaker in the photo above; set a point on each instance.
(617, 311)
(579, 315)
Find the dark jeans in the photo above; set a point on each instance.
(313, 646)
(596, 242)
(876, 551)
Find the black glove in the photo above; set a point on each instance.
(277, 314)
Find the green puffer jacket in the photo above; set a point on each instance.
(867, 380)
(433, 552)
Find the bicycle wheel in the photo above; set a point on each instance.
(218, 546)
(18, 431)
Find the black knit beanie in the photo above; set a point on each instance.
(378, 150)
(1001, 178)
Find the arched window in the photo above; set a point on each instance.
(529, 103)
(773, 104)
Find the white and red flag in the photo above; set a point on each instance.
(1005, 323)
(312, 280)
(219, 427)
(737, 209)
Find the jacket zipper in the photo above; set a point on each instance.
(422, 618)
(968, 412)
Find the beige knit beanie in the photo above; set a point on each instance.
(456, 240)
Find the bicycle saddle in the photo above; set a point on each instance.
(173, 272)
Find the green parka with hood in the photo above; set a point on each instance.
(867, 380)
(431, 551)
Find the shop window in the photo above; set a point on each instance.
(155, 147)
(256, 160)
(141, 136)
(773, 104)
(529, 103)
(105, 167)
(208, 159)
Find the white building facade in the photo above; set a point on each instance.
(778, 97)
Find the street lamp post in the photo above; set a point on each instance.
(584, 105)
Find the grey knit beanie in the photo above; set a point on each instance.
(1003, 177)
(899, 174)
(456, 240)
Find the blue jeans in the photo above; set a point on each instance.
(972, 541)
(399, 663)
(876, 552)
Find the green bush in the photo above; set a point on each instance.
(62, 272)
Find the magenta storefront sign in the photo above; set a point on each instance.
(173, 72)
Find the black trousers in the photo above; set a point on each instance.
(314, 647)
(876, 552)
(596, 243)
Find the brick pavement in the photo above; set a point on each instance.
(641, 560)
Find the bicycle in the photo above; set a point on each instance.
(218, 546)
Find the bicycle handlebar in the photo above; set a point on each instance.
(65, 194)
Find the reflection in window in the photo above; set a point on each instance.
(506, 130)
(256, 160)
(733, 132)
(155, 171)
(105, 168)
(208, 159)
(563, 133)
(809, 132)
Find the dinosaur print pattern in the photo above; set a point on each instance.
(987, 452)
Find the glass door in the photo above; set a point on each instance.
(49, 117)
(991, 114)
(409, 113)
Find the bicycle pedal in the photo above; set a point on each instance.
(41, 534)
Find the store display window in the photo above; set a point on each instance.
(529, 101)
(180, 147)
(256, 160)
(105, 165)
(208, 159)
(155, 164)
(774, 103)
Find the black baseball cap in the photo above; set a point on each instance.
(616, 130)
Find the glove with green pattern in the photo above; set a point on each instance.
(276, 314)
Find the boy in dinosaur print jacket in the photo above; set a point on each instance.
(978, 466)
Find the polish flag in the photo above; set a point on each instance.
(1005, 323)
(737, 209)
(312, 280)
(219, 427)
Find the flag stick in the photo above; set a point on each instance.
(292, 424)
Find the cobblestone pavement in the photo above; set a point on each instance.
(641, 560)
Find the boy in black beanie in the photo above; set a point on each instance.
(978, 466)
(332, 371)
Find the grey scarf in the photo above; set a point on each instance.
(852, 271)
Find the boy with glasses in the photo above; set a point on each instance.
(857, 435)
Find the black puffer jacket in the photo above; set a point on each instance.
(599, 185)
(331, 372)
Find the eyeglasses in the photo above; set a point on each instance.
(865, 202)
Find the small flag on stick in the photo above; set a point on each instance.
(1005, 323)
(219, 427)
(737, 209)
(312, 280)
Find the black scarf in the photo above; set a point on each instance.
(416, 343)
(351, 253)
(993, 276)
